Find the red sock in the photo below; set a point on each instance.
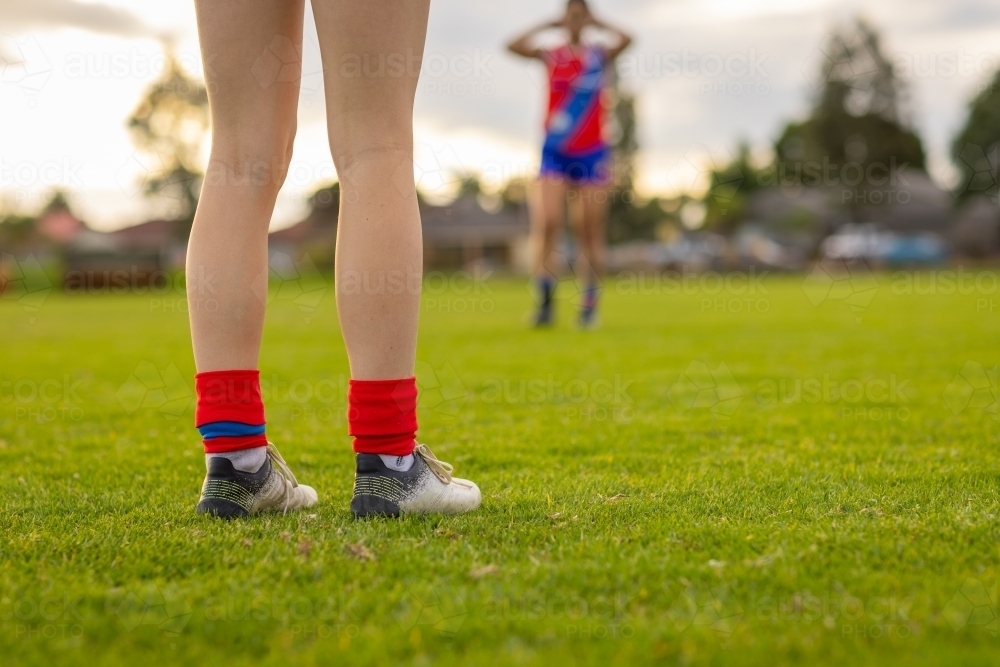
(382, 416)
(230, 410)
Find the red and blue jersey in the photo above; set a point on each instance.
(574, 125)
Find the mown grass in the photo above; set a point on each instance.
(657, 490)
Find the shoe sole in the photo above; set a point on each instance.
(364, 506)
(222, 509)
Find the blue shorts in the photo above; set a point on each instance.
(588, 169)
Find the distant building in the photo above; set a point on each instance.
(133, 256)
(463, 233)
(975, 231)
(59, 226)
(909, 203)
(315, 236)
(456, 235)
(786, 226)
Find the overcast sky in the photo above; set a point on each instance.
(72, 71)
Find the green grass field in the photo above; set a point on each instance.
(788, 476)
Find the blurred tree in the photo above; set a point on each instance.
(728, 190)
(15, 229)
(169, 124)
(628, 219)
(514, 193)
(857, 120)
(324, 203)
(977, 146)
(57, 202)
(469, 185)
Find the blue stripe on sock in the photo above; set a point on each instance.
(229, 429)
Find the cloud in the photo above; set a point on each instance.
(18, 15)
(970, 14)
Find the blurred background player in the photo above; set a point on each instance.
(576, 158)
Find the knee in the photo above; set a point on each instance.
(369, 140)
(358, 163)
(256, 157)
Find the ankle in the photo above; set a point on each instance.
(397, 463)
(244, 460)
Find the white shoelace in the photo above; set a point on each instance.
(284, 471)
(441, 469)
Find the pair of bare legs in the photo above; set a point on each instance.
(371, 59)
(588, 212)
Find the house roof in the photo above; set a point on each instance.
(464, 221)
(147, 235)
(59, 225)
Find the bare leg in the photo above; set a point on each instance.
(590, 220)
(371, 59)
(251, 50)
(253, 126)
(548, 203)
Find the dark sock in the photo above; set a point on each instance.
(547, 287)
(590, 298)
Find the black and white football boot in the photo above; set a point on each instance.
(426, 488)
(229, 493)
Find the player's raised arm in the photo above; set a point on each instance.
(624, 39)
(525, 44)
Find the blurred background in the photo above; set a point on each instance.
(765, 133)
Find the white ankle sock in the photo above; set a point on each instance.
(245, 460)
(397, 463)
